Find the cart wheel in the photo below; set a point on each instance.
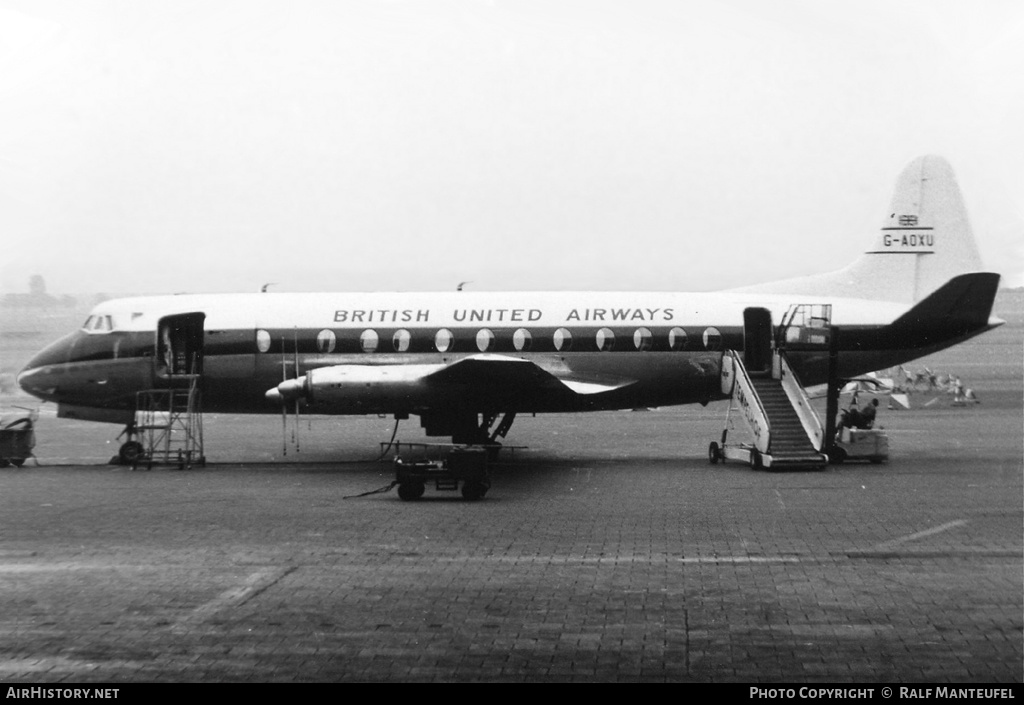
(130, 453)
(408, 491)
(838, 456)
(714, 453)
(755, 460)
(18, 462)
(473, 490)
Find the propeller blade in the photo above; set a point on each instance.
(284, 406)
(297, 400)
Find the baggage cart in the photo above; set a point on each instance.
(463, 465)
(862, 444)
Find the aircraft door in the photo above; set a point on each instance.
(179, 345)
(757, 340)
(806, 327)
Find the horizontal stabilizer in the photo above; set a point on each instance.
(963, 304)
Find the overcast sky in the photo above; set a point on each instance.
(152, 147)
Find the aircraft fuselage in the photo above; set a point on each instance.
(636, 349)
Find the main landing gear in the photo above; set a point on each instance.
(469, 428)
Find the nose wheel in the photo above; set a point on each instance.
(130, 453)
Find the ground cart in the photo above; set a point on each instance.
(17, 439)
(465, 465)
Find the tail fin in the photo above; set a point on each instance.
(925, 240)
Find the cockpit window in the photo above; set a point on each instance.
(98, 324)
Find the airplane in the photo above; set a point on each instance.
(460, 360)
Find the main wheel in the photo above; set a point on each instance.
(714, 453)
(409, 491)
(18, 462)
(130, 453)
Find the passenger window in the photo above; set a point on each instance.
(401, 340)
(562, 340)
(605, 339)
(325, 341)
(443, 340)
(642, 339)
(676, 339)
(369, 340)
(522, 340)
(484, 340)
(712, 339)
(262, 340)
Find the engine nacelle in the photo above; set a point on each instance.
(357, 385)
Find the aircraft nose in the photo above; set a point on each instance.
(37, 382)
(39, 376)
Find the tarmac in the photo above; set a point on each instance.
(609, 550)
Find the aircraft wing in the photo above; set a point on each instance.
(506, 373)
(489, 376)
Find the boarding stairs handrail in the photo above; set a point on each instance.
(749, 402)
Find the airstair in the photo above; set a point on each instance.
(766, 392)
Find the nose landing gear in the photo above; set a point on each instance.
(130, 453)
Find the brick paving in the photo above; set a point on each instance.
(593, 558)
